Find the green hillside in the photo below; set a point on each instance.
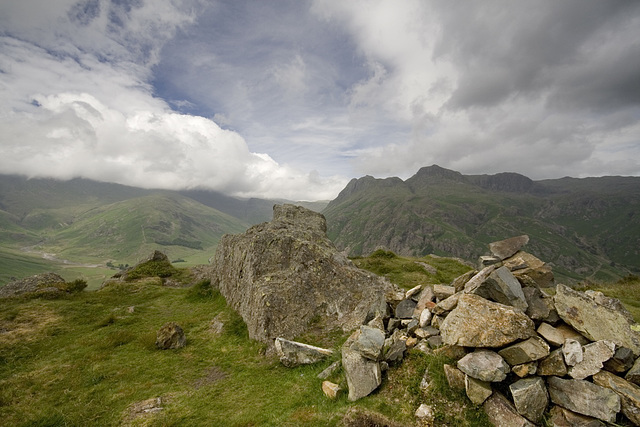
(587, 229)
(78, 228)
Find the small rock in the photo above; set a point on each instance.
(502, 413)
(396, 351)
(484, 365)
(530, 397)
(294, 353)
(551, 334)
(593, 357)
(363, 375)
(412, 292)
(569, 333)
(572, 351)
(393, 324)
(404, 310)
(426, 296)
(330, 389)
(525, 369)
(170, 336)
(504, 249)
(561, 417)
(369, 342)
(329, 370)
(584, 398)
(424, 412)
(621, 361)
(633, 376)
(477, 322)
(629, 393)
(443, 292)
(455, 377)
(434, 341)
(553, 364)
(477, 391)
(526, 351)
(459, 282)
(446, 305)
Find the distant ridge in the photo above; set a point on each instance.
(588, 227)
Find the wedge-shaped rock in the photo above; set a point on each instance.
(633, 375)
(593, 357)
(551, 334)
(508, 247)
(478, 279)
(540, 305)
(553, 364)
(501, 286)
(584, 398)
(294, 353)
(477, 391)
(502, 413)
(534, 348)
(629, 393)
(621, 361)
(455, 377)
(363, 375)
(531, 271)
(477, 322)
(597, 317)
(530, 397)
(484, 365)
(369, 342)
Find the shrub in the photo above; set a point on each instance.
(381, 253)
(202, 291)
(152, 269)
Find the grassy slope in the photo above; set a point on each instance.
(87, 359)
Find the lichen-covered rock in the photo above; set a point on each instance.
(597, 317)
(32, 284)
(477, 322)
(584, 398)
(363, 375)
(629, 393)
(593, 357)
(484, 365)
(170, 336)
(283, 275)
(530, 270)
(530, 397)
(532, 349)
(508, 247)
(501, 412)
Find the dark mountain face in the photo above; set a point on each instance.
(587, 228)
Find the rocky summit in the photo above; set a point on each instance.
(285, 276)
(527, 357)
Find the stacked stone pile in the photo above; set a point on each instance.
(520, 351)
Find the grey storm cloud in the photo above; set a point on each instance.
(293, 98)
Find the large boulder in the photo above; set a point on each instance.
(32, 285)
(284, 275)
(597, 317)
(477, 322)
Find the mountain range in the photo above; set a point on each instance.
(586, 228)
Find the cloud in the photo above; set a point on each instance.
(78, 102)
(497, 86)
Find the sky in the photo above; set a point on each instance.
(293, 98)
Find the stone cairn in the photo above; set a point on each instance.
(520, 352)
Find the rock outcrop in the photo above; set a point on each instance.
(286, 276)
(49, 285)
